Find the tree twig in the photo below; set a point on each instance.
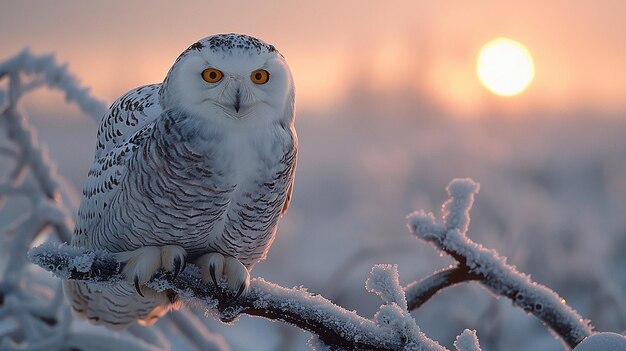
(418, 292)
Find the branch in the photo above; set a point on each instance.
(334, 325)
(44, 193)
(487, 267)
(55, 76)
(418, 292)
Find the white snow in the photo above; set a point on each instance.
(384, 281)
(456, 209)
(467, 341)
(603, 342)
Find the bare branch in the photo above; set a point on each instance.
(418, 292)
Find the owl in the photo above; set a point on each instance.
(196, 169)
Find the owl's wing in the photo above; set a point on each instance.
(290, 186)
(292, 160)
(125, 126)
(127, 115)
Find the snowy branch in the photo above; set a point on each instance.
(392, 329)
(54, 76)
(25, 322)
(487, 267)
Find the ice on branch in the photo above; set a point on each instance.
(32, 314)
(54, 76)
(456, 209)
(66, 261)
(490, 269)
(467, 341)
(603, 342)
(384, 281)
(334, 325)
(423, 224)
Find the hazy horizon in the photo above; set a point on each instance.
(419, 49)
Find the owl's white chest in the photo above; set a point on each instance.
(205, 190)
(251, 163)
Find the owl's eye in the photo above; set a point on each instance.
(260, 76)
(212, 75)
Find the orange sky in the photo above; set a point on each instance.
(579, 48)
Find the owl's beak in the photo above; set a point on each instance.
(237, 103)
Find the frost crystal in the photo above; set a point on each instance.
(603, 342)
(385, 282)
(467, 341)
(456, 209)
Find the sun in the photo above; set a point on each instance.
(505, 67)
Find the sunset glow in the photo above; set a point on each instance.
(428, 49)
(505, 67)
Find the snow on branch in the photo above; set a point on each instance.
(335, 327)
(54, 76)
(487, 267)
(28, 154)
(26, 322)
(467, 341)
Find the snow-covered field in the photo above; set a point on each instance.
(553, 200)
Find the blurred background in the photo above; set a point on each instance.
(390, 108)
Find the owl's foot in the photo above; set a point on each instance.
(217, 268)
(141, 264)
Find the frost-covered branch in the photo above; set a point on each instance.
(489, 268)
(53, 75)
(27, 323)
(35, 325)
(337, 328)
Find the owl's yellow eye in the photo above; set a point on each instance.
(212, 75)
(260, 76)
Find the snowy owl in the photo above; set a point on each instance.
(198, 168)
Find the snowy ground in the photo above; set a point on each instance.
(553, 199)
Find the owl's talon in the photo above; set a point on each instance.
(137, 286)
(218, 268)
(242, 288)
(173, 259)
(212, 266)
(140, 265)
(212, 272)
(179, 266)
(182, 269)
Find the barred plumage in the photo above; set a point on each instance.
(183, 171)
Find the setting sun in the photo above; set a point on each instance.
(505, 67)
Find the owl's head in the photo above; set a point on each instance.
(232, 77)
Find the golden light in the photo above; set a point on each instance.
(505, 67)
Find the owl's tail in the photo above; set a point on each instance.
(116, 306)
